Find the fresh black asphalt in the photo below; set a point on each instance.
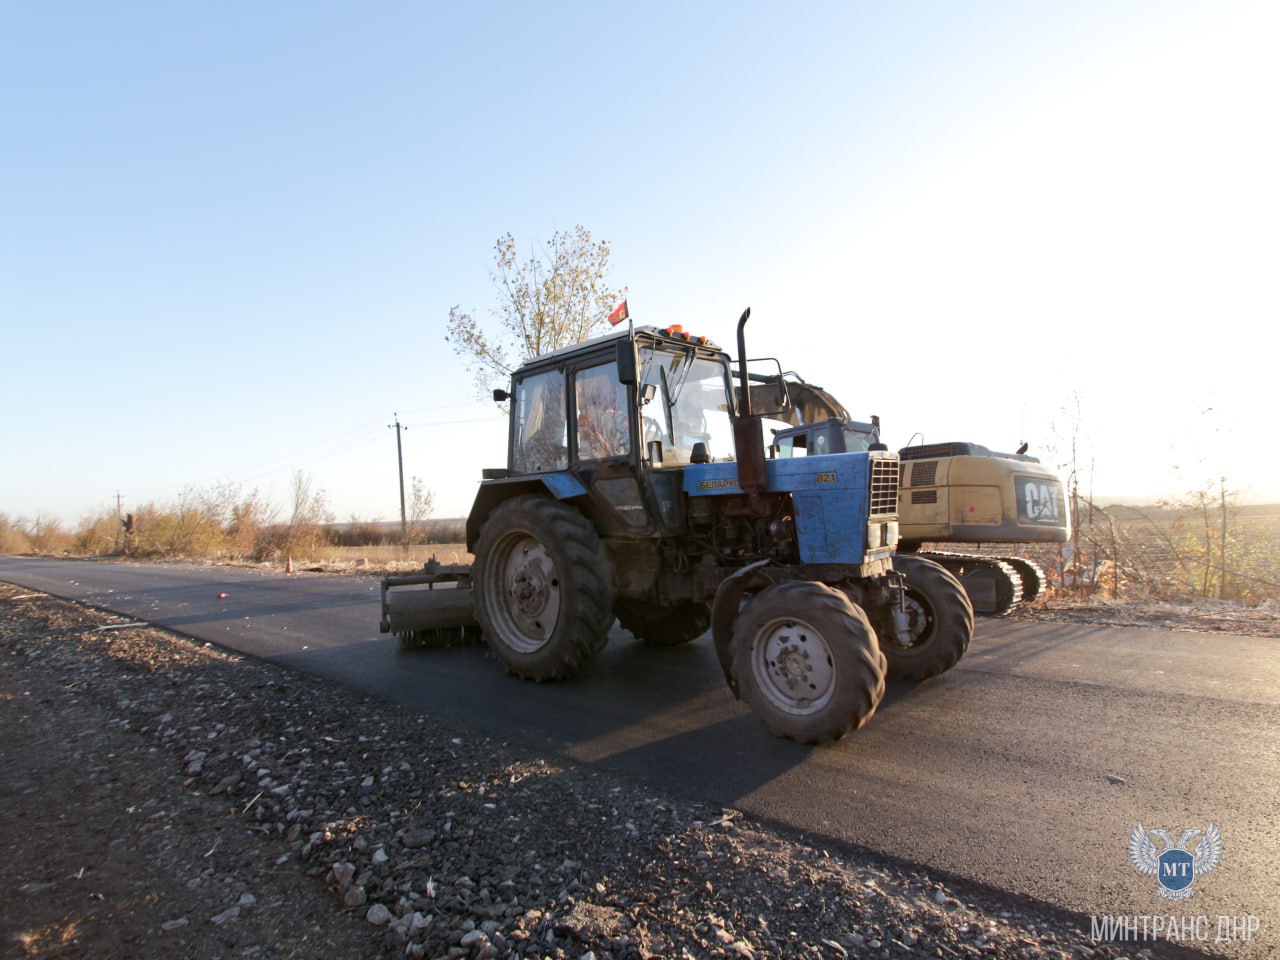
(1024, 768)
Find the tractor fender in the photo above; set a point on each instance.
(561, 486)
(724, 611)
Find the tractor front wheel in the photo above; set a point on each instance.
(806, 659)
(544, 591)
(940, 618)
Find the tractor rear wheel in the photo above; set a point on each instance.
(663, 626)
(941, 621)
(544, 588)
(806, 659)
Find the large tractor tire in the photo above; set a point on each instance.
(805, 658)
(664, 626)
(544, 589)
(941, 619)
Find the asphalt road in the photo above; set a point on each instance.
(1024, 768)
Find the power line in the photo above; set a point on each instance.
(276, 465)
(304, 453)
(451, 423)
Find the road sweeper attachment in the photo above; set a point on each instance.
(432, 608)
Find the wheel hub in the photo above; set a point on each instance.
(798, 666)
(919, 623)
(792, 665)
(529, 589)
(531, 586)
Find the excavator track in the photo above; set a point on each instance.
(1032, 574)
(994, 585)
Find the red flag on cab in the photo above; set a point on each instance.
(619, 314)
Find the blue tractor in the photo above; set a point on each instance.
(637, 488)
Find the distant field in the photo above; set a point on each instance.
(1156, 552)
(383, 555)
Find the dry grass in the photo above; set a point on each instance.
(388, 557)
(1155, 553)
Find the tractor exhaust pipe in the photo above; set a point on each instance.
(748, 431)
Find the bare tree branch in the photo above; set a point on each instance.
(555, 298)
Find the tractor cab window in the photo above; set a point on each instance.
(857, 441)
(804, 445)
(689, 405)
(604, 428)
(540, 442)
(795, 445)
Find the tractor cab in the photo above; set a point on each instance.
(612, 423)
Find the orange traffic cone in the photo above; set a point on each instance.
(288, 565)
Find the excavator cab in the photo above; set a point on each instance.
(832, 435)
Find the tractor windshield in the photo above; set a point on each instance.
(689, 405)
(859, 437)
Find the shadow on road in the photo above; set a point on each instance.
(653, 712)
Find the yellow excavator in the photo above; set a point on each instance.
(955, 493)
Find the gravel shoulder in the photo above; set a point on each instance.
(164, 798)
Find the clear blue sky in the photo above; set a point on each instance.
(230, 234)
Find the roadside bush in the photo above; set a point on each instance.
(361, 533)
(452, 530)
(13, 536)
(99, 534)
(224, 521)
(41, 535)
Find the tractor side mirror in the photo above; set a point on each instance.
(626, 362)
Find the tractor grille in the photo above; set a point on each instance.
(924, 473)
(884, 486)
(924, 496)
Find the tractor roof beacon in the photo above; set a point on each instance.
(637, 488)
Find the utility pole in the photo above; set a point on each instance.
(404, 518)
(1222, 542)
